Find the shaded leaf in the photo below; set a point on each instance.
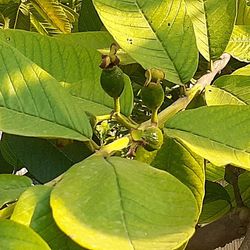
(157, 34)
(11, 187)
(244, 71)
(123, 204)
(214, 173)
(89, 19)
(30, 151)
(243, 13)
(216, 203)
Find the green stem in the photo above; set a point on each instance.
(114, 146)
(117, 106)
(123, 120)
(154, 117)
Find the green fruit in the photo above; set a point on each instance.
(113, 81)
(152, 95)
(153, 138)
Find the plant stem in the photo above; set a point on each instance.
(123, 120)
(114, 146)
(154, 117)
(117, 106)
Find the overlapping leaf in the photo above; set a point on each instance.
(243, 16)
(74, 60)
(185, 165)
(239, 44)
(12, 186)
(14, 235)
(220, 134)
(54, 13)
(216, 203)
(38, 216)
(32, 103)
(213, 24)
(156, 34)
(229, 90)
(123, 204)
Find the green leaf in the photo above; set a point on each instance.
(244, 71)
(5, 167)
(14, 235)
(213, 24)
(33, 210)
(32, 103)
(30, 151)
(217, 203)
(185, 165)
(214, 173)
(229, 90)
(53, 12)
(220, 134)
(68, 60)
(11, 187)
(89, 19)
(157, 34)
(243, 16)
(123, 204)
(239, 44)
(7, 211)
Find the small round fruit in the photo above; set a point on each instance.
(152, 95)
(153, 138)
(113, 81)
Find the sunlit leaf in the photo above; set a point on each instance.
(157, 34)
(220, 134)
(123, 204)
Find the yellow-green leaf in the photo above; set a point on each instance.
(213, 24)
(157, 34)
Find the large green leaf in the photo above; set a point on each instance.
(75, 60)
(11, 187)
(123, 204)
(32, 103)
(14, 236)
(220, 134)
(243, 13)
(30, 151)
(185, 165)
(239, 44)
(157, 34)
(213, 24)
(217, 203)
(229, 90)
(33, 210)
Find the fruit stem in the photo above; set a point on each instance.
(123, 120)
(117, 106)
(114, 146)
(154, 117)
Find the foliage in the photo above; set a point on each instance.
(120, 167)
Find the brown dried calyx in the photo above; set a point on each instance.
(110, 60)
